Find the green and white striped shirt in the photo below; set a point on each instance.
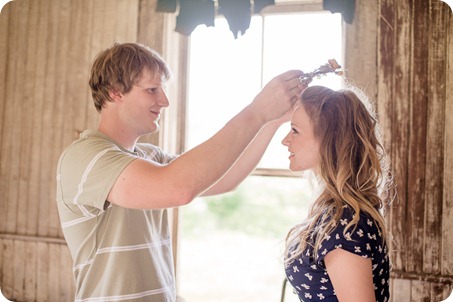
(119, 254)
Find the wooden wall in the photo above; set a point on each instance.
(415, 63)
(46, 50)
(46, 47)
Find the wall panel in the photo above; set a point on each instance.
(436, 96)
(414, 101)
(393, 107)
(447, 205)
(46, 50)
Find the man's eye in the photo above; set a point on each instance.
(152, 90)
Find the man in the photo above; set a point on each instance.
(112, 192)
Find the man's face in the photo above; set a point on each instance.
(142, 106)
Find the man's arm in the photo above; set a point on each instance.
(144, 184)
(251, 156)
(247, 162)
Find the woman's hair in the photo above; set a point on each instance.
(353, 167)
(120, 67)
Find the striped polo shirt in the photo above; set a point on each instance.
(119, 254)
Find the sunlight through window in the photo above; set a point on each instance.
(231, 245)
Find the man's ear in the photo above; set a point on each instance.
(115, 95)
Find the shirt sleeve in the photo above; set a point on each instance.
(156, 154)
(358, 241)
(88, 171)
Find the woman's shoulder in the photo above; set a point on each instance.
(353, 233)
(365, 219)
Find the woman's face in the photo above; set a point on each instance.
(301, 142)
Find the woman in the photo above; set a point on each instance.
(339, 252)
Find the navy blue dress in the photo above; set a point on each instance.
(309, 277)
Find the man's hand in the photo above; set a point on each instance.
(287, 116)
(278, 96)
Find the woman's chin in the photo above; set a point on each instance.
(294, 169)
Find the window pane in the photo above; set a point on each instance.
(231, 245)
(303, 41)
(299, 41)
(226, 73)
(224, 76)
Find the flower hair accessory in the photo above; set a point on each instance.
(331, 66)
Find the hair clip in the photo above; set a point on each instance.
(331, 66)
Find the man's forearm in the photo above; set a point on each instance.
(247, 162)
(232, 151)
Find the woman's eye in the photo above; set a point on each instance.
(294, 130)
(152, 90)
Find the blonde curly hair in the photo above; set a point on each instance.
(353, 168)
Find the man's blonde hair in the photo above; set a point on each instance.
(120, 67)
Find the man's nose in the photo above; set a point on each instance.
(163, 100)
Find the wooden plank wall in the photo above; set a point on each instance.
(414, 103)
(46, 49)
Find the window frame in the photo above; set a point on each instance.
(172, 136)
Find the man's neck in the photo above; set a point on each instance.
(120, 136)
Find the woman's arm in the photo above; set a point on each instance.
(351, 276)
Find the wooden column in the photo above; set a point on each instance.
(413, 63)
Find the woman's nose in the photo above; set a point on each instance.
(285, 141)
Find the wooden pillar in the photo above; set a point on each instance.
(413, 54)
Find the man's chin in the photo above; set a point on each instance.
(155, 128)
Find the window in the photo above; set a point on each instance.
(231, 245)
